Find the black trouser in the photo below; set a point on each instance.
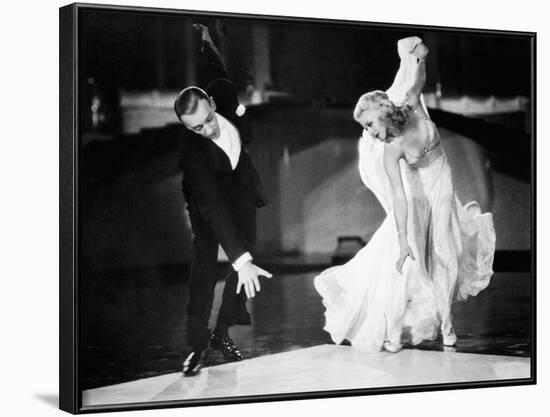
(204, 275)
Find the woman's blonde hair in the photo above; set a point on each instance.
(395, 115)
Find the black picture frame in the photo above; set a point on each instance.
(70, 359)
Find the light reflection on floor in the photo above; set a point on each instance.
(319, 368)
(137, 330)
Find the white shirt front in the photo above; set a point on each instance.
(229, 140)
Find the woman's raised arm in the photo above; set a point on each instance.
(411, 75)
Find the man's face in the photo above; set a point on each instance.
(204, 121)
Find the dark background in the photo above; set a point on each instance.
(137, 51)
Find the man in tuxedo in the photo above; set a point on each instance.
(222, 190)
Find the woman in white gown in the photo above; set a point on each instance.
(429, 250)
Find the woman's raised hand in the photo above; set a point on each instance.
(411, 45)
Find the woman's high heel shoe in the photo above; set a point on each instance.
(392, 347)
(449, 339)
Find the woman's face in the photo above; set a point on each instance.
(375, 125)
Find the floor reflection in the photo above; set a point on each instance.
(314, 369)
(134, 326)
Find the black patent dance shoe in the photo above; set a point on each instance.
(227, 346)
(192, 363)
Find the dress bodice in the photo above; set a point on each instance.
(431, 148)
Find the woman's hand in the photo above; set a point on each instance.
(405, 46)
(404, 251)
(420, 51)
(412, 45)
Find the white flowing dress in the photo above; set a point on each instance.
(367, 301)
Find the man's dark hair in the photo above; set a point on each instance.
(188, 99)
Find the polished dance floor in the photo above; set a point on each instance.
(318, 368)
(134, 344)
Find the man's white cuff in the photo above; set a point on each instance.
(244, 258)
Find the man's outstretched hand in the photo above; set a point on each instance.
(249, 279)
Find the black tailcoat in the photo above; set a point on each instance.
(222, 206)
